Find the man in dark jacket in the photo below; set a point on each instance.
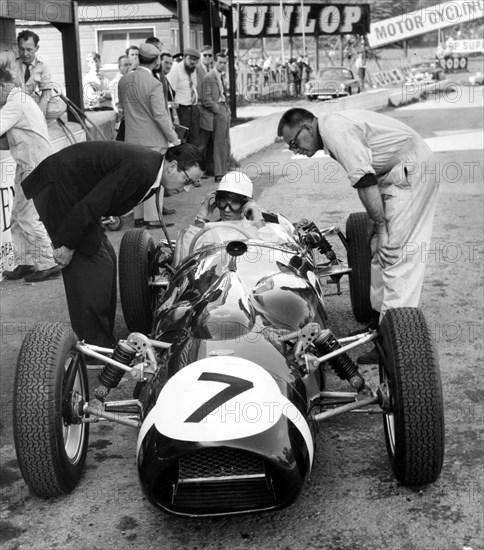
(73, 189)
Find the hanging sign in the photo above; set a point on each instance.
(265, 20)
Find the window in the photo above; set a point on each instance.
(113, 42)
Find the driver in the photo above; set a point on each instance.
(233, 203)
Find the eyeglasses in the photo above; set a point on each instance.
(188, 180)
(234, 205)
(293, 144)
(207, 55)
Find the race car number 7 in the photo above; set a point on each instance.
(235, 387)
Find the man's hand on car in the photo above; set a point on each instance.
(207, 207)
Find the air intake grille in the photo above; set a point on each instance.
(219, 462)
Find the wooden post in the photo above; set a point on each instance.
(72, 60)
(232, 74)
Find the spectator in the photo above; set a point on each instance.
(159, 44)
(26, 128)
(206, 140)
(124, 64)
(133, 53)
(294, 77)
(183, 79)
(360, 64)
(33, 76)
(166, 62)
(216, 115)
(97, 96)
(155, 41)
(147, 119)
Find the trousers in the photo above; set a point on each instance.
(31, 242)
(409, 194)
(90, 285)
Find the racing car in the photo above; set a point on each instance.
(231, 355)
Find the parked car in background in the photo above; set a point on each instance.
(424, 71)
(332, 82)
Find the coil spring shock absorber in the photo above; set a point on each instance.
(342, 364)
(323, 246)
(111, 375)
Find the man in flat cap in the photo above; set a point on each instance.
(147, 118)
(183, 80)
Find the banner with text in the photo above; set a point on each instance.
(424, 20)
(265, 20)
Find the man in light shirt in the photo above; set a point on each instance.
(124, 64)
(394, 173)
(26, 128)
(97, 95)
(33, 76)
(183, 80)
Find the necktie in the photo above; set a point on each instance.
(224, 87)
(27, 72)
(193, 92)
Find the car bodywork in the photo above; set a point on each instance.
(232, 379)
(332, 82)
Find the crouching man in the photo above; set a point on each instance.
(73, 189)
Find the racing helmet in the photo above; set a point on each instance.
(236, 182)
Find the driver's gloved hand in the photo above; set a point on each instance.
(252, 212)
(207, 207)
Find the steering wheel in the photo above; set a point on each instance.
(220, 225)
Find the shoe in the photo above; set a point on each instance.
(168, 211)
(38, 276)
(139, 223)
(369, 358)
(19, 272)
(218, 179)
(157, 225)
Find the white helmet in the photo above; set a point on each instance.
(236, 182)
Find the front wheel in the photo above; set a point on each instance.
(49, 390)
(136, 261)
(413, 413)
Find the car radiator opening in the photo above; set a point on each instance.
(218, 479)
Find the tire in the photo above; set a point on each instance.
(463, 63)
(359, 259)
(414, 423)
(449, 64)
(51, 447)
(136, 254)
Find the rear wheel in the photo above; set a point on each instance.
(359, 259)
(136, 259)
(414, 412)
(49, 390)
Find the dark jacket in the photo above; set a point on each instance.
(73, 188)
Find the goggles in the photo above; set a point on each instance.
(234, 205)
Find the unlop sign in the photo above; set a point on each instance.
(263, 20)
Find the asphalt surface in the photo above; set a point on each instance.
(352, 499)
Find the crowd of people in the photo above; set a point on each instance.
(176, 120)
(162, 99)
